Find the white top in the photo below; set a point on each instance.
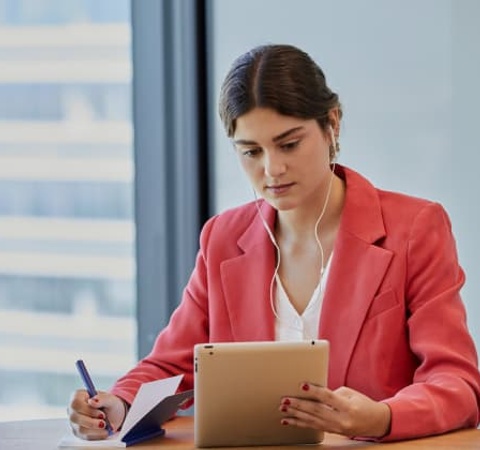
(291, 326)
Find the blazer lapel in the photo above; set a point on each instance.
(246, 282)
(358, 268)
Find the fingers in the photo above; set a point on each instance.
(344, 411)
(307, 414)
(318, 409)
(86, 421)
(338, 399)
(323, 395)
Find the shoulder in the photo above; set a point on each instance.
(416, 220)
(374, 213)
(400, 206)
(235, 220)
(231, 223)
(412, 210)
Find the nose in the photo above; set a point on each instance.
(275, 165)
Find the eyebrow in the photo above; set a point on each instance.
(275, 139)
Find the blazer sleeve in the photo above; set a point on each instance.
(445, 392)
(172, 352)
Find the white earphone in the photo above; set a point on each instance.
(334, 142)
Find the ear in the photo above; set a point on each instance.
(334, 120)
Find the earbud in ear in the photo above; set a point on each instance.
(332, 134)
(334, 147)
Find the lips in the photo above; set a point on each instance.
(278, 189)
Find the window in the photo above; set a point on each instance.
(67, 269)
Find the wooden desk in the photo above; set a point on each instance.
(45, 434)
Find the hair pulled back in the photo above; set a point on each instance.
(279, 77)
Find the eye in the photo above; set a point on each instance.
(290, 145)
(251, 152)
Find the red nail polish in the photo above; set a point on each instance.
(284, 422)
(101, 424)
(286, 401)
(101, 416)
(284, 409)
(305, 387)
(95, 400)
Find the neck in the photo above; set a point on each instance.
(298, 225)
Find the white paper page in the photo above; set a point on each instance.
(69, 440)
(148, 396)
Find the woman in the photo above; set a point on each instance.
(321, 253)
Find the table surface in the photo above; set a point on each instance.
(45, 434)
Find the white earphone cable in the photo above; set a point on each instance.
(277, 248)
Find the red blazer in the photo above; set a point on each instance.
(392, 309)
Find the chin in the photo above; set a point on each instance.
(281, 204)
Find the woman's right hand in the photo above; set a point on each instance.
(88, 416)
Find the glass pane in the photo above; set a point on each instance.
(67, 269)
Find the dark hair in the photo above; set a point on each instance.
(281, 77)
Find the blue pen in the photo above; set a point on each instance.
(90, 387)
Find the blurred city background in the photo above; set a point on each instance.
(66, 200)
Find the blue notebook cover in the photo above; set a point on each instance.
(150, 425)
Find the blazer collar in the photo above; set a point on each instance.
(246, 278)
(256, 233)
(362, 212)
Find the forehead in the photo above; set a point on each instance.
(265, 124)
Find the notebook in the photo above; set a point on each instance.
(238, 387)
(154, 404)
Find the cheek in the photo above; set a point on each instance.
(317, 159)
(251, 168)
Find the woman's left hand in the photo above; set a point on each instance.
(343, 411)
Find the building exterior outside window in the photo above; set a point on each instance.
(67, 268)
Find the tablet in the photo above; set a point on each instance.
(238, 387)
